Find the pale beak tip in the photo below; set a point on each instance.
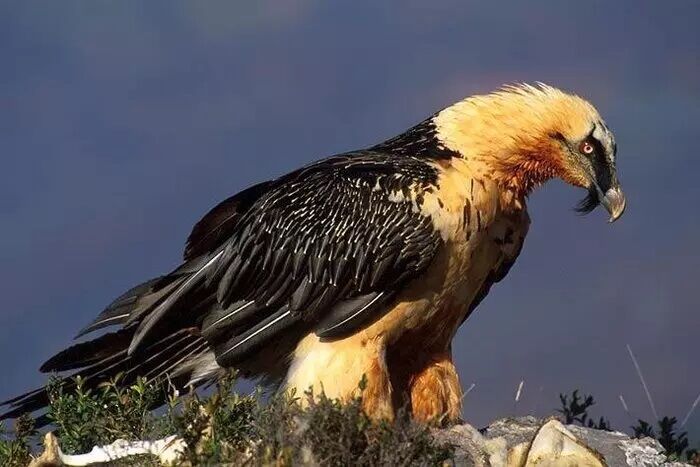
(614, 201)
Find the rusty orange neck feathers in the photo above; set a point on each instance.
(513, 136)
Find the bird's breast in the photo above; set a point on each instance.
(479, 234)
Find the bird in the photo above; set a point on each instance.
(351, 275)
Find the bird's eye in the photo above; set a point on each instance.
(586, 148)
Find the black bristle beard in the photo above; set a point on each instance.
(587, 204)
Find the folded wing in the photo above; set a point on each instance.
(325, 249)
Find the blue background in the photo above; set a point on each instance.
(121, 123)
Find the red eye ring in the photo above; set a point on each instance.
(586, 148)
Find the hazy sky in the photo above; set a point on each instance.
(121, 123)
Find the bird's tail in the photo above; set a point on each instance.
(177, 352)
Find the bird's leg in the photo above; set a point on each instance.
(434, 390)
(376, 394)
(343, 369)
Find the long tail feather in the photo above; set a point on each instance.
(169, 302)
(174, 349)
(104, 358)
(88, 353)
(130, 304)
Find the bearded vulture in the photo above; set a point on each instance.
(360, 266)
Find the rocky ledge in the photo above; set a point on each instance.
(529, 441)
(510, 442)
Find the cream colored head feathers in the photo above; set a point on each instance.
(524, 135)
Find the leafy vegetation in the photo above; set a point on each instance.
(15, 450)
(226, 427)
(83, 418)
(575, 410)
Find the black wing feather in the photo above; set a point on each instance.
(321, 250)
(218, 224)
(328, 247)
(119, 310)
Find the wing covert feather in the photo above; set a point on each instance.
(329, 246)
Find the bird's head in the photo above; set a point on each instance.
(524, 135)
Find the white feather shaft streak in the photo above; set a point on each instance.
(357, 312)
(228, 315)
(111, 318)
(186, 350)
(282, 316)
(158, 312)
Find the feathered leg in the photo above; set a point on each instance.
(338, 367)
(435, 392)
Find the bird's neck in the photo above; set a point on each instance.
(506, 148)
(475, 177)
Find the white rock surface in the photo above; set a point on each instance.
(520, 442)
(529, 442)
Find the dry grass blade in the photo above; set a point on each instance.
(644, 384)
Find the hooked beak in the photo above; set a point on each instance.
(613, 201)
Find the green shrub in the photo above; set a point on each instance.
(328, 432)
(227, 427)
(15, 450)
(575, 410)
